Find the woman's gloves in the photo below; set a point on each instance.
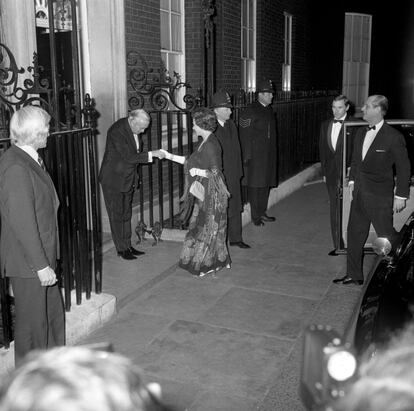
(198, 172)
(173, 157)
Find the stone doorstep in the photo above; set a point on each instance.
(93, 313)
(81, 321)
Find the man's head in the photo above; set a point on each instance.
(76, 379)
(375, 108)
(30, 126)
(221, 104)
(340, 105)
(138, 120)
(265, 92)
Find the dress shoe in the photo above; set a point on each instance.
(333, 253)
(126, 255)
(347, 280)
(268, 218)
(134, 251)
(258, 222)
(239, 244)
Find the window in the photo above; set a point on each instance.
(357, 53)
(248, 46)
(172, 38)
(287, 59)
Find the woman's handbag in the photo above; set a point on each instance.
(197, 190)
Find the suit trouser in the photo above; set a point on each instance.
(334, 214)
(258, 198)
(234, 228)
(119, 208)
(39, 316)
(366, 209)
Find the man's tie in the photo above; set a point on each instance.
(338, 121)
(371, 128)
(41, 163)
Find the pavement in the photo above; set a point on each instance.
(233, 341)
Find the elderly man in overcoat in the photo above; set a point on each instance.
(257, 127)
(228, 136)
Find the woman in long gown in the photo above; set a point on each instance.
(206, 196)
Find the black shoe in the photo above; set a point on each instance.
(258, 222)
(268, 218)
(347, 280)
(239, 244)
(126, 255)
(135, 251)
(333, 253)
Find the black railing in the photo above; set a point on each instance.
(70, 157)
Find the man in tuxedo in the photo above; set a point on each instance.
(228, 136)
(29, 235)
(257, 127)
(378, 149)
(119, 176)
(331, 146)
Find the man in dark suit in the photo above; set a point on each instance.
(331, 155)
(257, 127)
(228, 136)
(29, 235)
(378, 149)
(119, 176)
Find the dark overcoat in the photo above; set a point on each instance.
(258, 137)
(228, 137)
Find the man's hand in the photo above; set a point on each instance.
(351, 189)
(399, 204)
(47, 276)
(159, 153)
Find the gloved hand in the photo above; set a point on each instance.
(198, 172)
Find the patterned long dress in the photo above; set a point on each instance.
(205, 248)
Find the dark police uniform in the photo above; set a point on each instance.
(228, 137)
(258, 137)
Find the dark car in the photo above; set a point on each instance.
(329, 363)
(388, 302)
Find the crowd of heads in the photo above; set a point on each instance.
(77, 379)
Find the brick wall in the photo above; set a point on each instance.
(194, 43)
(142, 31)
(228, 43)
(270, 48)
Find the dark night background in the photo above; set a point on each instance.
(392, 49)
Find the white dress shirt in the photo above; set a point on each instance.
(336, 127)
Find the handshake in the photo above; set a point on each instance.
(159, 154)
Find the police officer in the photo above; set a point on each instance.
(258, 137)
(228, 136)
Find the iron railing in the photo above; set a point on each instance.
(71, 160)
(298, 120)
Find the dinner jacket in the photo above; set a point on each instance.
(119, 168)
(28, 206)
(228, 138)
(375, 173)
(258, 138)
(332, 159)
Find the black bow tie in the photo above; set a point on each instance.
(338, 121)
(371, 128)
